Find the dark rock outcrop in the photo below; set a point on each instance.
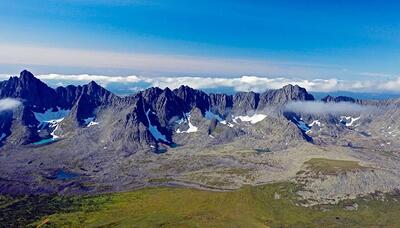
(339, 99)
(284, 95)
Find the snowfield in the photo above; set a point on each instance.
(252, 119)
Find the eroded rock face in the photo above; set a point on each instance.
(221, 103)
(244, 102)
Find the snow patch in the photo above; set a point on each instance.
(92, 123)
(89, 122)
(50, 118)
(191, 129)
(252, 119)
(54, 136)
(154, 131)
(315, 122)
(349, 120)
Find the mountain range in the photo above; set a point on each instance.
(152, 107)
(80, 139)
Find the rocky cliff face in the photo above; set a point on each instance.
(221, 103)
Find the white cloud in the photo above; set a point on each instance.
(243, 83)
(87, 77)
(9, 104)
(317, 107)
(391, 85)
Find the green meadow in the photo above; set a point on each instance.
(272, 205)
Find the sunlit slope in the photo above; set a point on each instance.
(263, 206)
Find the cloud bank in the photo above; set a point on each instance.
(9, 104)
(317, 107)
(243, 83)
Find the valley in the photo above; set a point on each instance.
(183, 157)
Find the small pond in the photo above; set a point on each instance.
(61, 174)
(262, 150)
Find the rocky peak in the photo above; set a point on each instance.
(93, 88)
(151, 94)
(97, 93)
(193, 98)
(26, 77)
(285, 94)
(29, 89)
(338, 99)
(295, 92)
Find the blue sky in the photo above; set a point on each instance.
(345, 40)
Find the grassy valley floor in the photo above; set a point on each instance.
(272, 205)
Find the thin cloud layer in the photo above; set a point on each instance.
(152, 64)
(9, 104)
(317, 107)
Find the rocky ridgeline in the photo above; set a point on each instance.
(131, 122)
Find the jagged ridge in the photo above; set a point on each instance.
(86, 101)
